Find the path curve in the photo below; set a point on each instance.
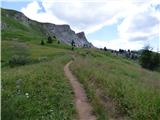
(83, 107)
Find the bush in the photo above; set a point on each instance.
(18, 60)
(150, 60)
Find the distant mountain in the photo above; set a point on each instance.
(16, 22)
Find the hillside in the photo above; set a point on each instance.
(16, 22)
(34, 85)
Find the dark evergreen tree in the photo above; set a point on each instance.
(54, 37)
(105, 49)
(146, 59)
(42, 42)
(49, 40)
(156, 60)
(73, 44)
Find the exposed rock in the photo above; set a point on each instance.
(62, 32)
(83, 40)
(65, 34)
(21, 16)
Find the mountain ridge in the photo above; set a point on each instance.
(63, 33)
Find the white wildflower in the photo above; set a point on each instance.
(27, 95)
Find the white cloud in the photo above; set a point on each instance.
(140, 18)
(143, 23)
(82, 15)
(117, 44)
(31, 8)
(18, 0)
(87, 16)
(32, 11)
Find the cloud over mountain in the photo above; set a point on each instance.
(137, 20)
(81, 15)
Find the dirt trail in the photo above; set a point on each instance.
(83, 108)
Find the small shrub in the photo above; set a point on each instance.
(18, 60)
(42, 42)
(54, 37)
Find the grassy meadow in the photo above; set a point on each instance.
(118, 86)
(38, 89)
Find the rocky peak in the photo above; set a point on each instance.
(62, 32)
(81, 35)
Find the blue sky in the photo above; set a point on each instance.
(105, 33)
(115, 24)
(14, 5)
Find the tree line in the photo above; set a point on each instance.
(146, 58)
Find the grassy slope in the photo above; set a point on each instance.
(50, 95)
(133, 90)
(39, 89)
(20, 30)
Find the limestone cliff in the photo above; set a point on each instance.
(62, 32)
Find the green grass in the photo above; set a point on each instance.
(49, 93)
(39, 90)
(134, 91)
(34, 52)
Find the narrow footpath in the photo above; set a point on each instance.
(83, 107)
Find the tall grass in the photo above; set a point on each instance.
(134, 91)
(29, 53)
(38, 91)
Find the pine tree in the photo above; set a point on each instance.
(42, 42)
(49, 40)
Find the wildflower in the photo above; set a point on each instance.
(27, 95)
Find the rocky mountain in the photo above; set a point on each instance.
(62, 32)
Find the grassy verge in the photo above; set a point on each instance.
(134, 91)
